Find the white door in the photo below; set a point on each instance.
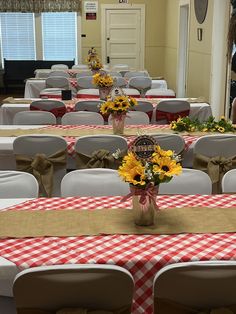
(123, 42)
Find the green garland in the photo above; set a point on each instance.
(193, 125)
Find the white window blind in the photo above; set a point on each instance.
(59, 36)
(17, 36)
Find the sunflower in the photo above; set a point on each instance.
(161, 153)
(221, 129)
(167, 167)
(115, 106)
(104, 108)
(132, 101)
(135, 176)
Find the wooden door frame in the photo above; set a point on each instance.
(105, 7)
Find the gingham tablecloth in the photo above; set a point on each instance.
(142, 255)
(71, 140)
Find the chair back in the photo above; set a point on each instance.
(131, 92)
(79, 67)
(115, 74)
(57, 82)
(29, 149)
(90, 143)
(141, 83)
(59, 67)
(56, 107)
(134, 118)
(119, 81)
(201, 286)
(59, 73)
(120, 67)
(88, 93)
(229, 182)
(130, 74)
(144, 106)
(85, 82)
(84, 73)
(34, 117)
(17, 184)
(81, 118)
(190, 181)
(172, 142)
(89, 287)
(93, 182)
(170, 110)
(88, 105)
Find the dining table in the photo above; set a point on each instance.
(72, 132)
(143, 255)
(198, 109)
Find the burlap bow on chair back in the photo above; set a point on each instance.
(165, 306)
(42, 167)
(215, 167)
(101, 158)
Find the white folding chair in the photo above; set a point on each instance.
(134, 118)
(33, 146)
(79, 67)
(131, 92)
(82, 118)
(85, 82)
(190, 181)
(88, 105)
(84, 73)
(115, 74)
(120, 67)
(172, 142)
(56, 107)
(144, 106)
(194, 287)
(141, 83)
(119, 81)
(93, 182)
(89, 287)
(229, 182)
(59, 66)
(34, 117)
(169, 110)
(88, 93)
(54, 86)
(59, 73)
(130, 74)
(17, 184)
(218, 150)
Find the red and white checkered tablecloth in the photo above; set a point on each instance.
(71, 140)
(142, 255)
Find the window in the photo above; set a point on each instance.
(17, 36)
(59, 36)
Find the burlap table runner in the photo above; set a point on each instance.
(114, 221)
(77, 132)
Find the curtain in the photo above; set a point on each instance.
(38, 6)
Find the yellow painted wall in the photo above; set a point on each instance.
(154, 35)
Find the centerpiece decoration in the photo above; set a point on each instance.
(117, 105)
(93, 61)
(104, 82)
(145, 167)
(210, 125)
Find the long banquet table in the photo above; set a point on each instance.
(200, 110)
(142, 255)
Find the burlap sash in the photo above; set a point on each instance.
(215, 167)
(11, 100)
(99, 159)
(124, 310)
(42, 167)
(164, 306)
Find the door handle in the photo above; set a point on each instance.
(108, 59)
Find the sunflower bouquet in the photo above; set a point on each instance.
(160, 168)
(118, 105)
(102, 79)
(211, 125)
